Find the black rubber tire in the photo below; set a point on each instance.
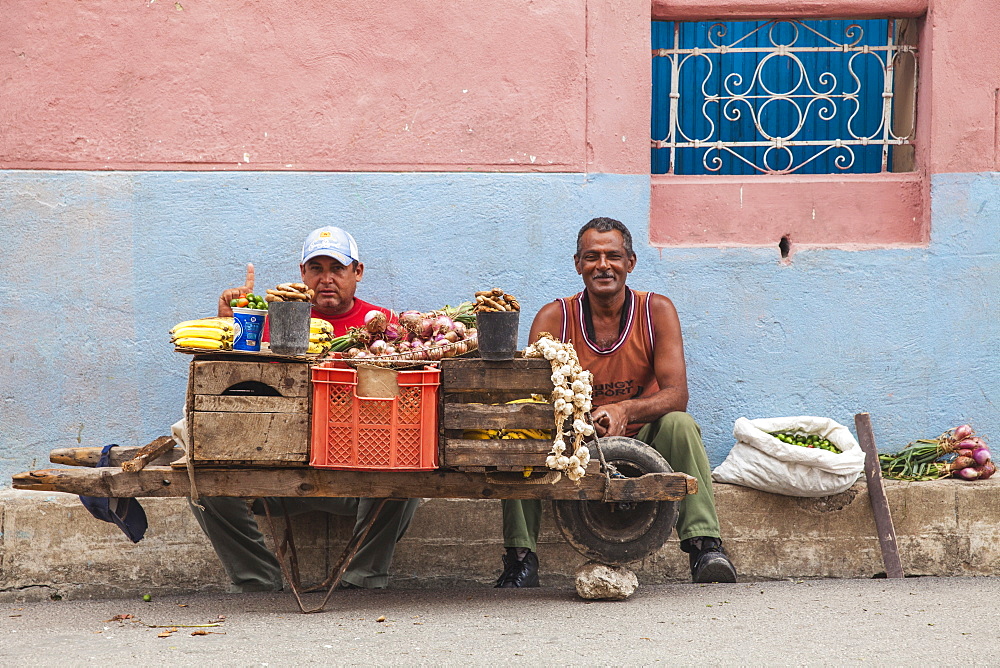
(614, 533)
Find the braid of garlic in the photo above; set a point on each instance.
(571, 399)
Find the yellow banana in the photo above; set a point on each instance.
(225, 324)
(208, 344)
(512, 434)
(202, 333)
(319, 338)
(317, 348)
(481, 434)
(320, 325)
(539, 434)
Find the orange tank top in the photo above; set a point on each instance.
(625, 370)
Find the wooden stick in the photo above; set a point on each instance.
(308, 482)
(148, 453)
(876, 493)
(89, 456)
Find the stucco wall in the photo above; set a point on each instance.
(102, 264)
(149, 150)
(342, 85)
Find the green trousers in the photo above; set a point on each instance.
(677, 437)
(230, 525)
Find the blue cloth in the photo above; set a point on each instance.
(126, 513)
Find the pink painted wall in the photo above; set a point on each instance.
(334, 85)
(508, 85)
(825, 209)
(958, 130)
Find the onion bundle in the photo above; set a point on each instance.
(415, 336)
(958, 453)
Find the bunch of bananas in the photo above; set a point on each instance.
(486, 434)
(320, 336)
(205, 333)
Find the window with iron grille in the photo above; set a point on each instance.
(783, 96)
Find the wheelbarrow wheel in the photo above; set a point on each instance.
(619, 533)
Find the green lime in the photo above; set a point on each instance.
(147, 598)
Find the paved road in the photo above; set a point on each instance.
(943, 621)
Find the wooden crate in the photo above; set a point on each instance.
(249, 413)
(470, 392)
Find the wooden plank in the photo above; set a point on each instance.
(161, 481)
(508, 416)
(495, 452)
(528, 376)
(496, 459)
(518, 363)
(290, 379)
(149, 453)
(242, 463)
(272, 437)
(492, 396)
(497, 445)
(89, 456)
(211, 403)
(265, 354)
(876, 493)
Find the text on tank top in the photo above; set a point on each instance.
(624, 370)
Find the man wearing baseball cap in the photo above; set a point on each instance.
(331, 267)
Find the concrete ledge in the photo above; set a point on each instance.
(51, 546)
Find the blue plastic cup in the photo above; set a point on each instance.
(249, 328)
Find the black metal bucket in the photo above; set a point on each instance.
(288, 323)
(497, 334)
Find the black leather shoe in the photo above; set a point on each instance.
(709, 562)
(518, 573)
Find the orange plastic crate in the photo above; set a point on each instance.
(371, 434)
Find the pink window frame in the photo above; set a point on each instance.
(850, 210)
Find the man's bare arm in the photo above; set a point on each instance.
(548, 319)
(671, 376)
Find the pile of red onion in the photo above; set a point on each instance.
(416, 336)
(973, 460)
(958, 453)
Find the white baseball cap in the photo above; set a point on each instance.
(333, 242)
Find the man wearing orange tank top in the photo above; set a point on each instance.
(631, 341)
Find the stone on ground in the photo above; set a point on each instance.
(600, 581)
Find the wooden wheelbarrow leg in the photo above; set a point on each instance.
(880, 504)
(291, 571)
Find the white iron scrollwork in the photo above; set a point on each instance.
(781, 108)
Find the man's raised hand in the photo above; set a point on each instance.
(225, 310)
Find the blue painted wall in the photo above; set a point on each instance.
(95, 268)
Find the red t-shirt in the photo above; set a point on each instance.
(341, 323)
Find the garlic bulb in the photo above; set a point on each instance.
(572, 398)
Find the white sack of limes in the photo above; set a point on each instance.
(763, 461)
